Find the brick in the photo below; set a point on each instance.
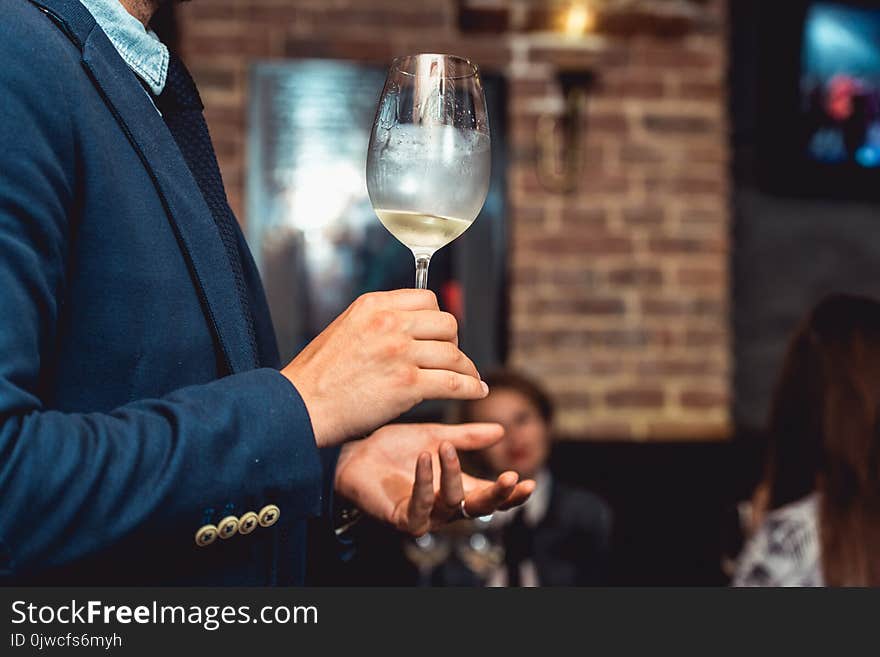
(272, 14)
(625, 339)
(350, 49)
(532, 87)
(686, 185)
(572, 400)
(685, 246)
(677, 367)
(705, 338)
(634, 153)
(680, 124)
(572, 305)
(522, 132)
(213, 78)
(229, 115)
(704, 399)
(616, 184)
(559, 364)
(606, 122)
(644, 215)
(674, 58)
(642, 20)
(524, 275)
(579, 244)
(713, 277)
(240, 43)
(402, 17)
(677, 307)
(564, 277)
(589, 183)
(604, 430)
(227, 146)
(636, 276)
(233, 179)
(206, 11)
(635, 398)
(706, 155)
(641, 87)
(703, 217)
(493, 20)
(689, 430)
(574, 58)
(528, 217)
(585, 218)
(690, 90)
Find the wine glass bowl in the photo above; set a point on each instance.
(429, 156)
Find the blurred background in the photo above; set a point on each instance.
(675, 182)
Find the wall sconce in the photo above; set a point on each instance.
(561, 139)
(577, 20)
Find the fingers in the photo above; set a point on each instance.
(422, 500)
(403, 299)
(431, 325)
(442, 384)
(451, 486)
(519, 495)
(436, 355)
(468, 436)
(487, 499)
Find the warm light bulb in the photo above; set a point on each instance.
(579, 19)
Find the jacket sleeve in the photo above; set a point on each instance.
(74, 483)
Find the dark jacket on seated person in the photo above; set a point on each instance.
(560, 537)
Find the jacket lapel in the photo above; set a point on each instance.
(187, 211)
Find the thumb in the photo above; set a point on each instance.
(474, 435)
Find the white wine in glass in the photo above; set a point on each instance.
(429, 156)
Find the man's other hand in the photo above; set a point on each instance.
(409, 475)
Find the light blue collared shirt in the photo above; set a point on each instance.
(139, 47)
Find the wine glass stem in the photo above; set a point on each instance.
(422, 263)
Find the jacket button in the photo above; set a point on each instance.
(248, 523)
(228, 526)
(269, 515)
(206, 535)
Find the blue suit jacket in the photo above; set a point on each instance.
(132, 410)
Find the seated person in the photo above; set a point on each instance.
(818, 509)
(562, 535)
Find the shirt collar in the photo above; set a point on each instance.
(139, 47)
(536, 506)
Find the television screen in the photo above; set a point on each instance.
(840, 85)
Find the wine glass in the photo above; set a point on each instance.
(482, 550)
(427, 552)
(428, 160)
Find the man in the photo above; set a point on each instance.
(147, 434)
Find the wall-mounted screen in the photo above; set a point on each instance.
(840, 84)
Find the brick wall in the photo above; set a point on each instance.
(619, 294)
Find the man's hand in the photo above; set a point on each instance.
(386, 353)
(394, 475)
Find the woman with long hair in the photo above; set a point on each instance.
(821, 521)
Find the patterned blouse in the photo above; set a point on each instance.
(785, 551)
